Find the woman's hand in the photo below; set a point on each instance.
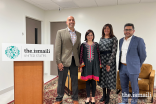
(80, 69)
(107, 68)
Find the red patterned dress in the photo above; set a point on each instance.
(90, 61)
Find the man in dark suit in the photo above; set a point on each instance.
(131, 57)
(67, 49)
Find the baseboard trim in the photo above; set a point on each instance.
(6, 90)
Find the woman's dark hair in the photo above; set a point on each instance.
(111, 34)
(89, 31)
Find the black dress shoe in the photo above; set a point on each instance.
(107, 99)
(103, 98)
(92, 102)
(86, 102)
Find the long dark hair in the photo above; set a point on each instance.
(111, 34)
(89, 31)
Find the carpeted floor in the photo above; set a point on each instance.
(50, 93)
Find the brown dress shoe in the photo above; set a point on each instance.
(58, 102)
(75, 102)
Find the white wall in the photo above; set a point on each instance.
(143, 16)
(12, 25)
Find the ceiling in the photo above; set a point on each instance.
(68, 4)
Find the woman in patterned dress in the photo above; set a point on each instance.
(108, 49)
(90, 64)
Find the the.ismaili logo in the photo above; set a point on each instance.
(12, 52)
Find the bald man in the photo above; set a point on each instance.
(67, 48)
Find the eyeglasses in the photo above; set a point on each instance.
(128, 30)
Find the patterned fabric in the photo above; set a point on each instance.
(90, 50)
(73, 36)
(108, 79)
(90, 61)
(81, 57)
(50, 94)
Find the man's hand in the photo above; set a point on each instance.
(80, 69)
(107, 68)
(60, 66)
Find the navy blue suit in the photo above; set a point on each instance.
(136, 55)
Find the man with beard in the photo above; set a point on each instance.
(131, 57)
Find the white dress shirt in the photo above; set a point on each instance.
(124, 49)
(73, 36)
